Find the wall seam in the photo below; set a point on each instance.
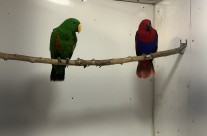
(153, 89)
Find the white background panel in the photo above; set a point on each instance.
(108, 101)
(198, 95)
(172, 20)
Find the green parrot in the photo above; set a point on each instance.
(62, 44)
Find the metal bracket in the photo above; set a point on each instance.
(183, 46)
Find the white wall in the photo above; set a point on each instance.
(180, 82)
(198, 97)
(108, 101)
(172, 80)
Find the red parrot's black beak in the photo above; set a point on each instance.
(148, 27)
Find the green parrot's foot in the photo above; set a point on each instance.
(67, 61)
(59, 59)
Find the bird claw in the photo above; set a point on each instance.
(59, 59)
(145, 56)
(67, 61)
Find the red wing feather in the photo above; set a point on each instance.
(57, 44)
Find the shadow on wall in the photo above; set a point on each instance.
(117, 114)
(198, 98)
(28, 103)
(138, 109)
(169, 77)
(25, 103)
(144, 93)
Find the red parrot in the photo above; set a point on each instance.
(146, 40)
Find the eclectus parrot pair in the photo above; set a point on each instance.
(62, 44)
(146, 40)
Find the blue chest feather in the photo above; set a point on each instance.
(146, 48)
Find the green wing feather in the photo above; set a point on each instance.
(67, 42)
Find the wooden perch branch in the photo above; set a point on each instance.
(86, 63)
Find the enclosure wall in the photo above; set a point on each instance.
(198, 95)
(172, 80)
(107, 101)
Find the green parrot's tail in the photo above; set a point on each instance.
(57, 73)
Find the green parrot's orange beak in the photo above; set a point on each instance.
(79, 28)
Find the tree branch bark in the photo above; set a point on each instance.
(93, 62)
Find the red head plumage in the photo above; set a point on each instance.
(146, 33)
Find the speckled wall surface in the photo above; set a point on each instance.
(107, 101)
(172, 80)
(198, 95)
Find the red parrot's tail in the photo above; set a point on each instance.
(145, 69)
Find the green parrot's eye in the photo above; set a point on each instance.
(74, 23)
